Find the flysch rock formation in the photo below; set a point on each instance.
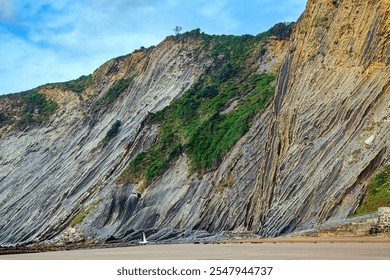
(333, 95)
(49, 173)
(305, 160)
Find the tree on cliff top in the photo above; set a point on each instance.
(177, 29)
(282, 30)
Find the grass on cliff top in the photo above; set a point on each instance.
(78, 85)
(198, 123)
(29, 108)
(378, 193)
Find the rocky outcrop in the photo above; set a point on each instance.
(49, 173)
(59, 172)
(333, 95)
(304, 161)
(377, 224)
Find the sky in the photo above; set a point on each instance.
(46, 41)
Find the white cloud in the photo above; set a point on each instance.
(63, 47)
(213, 9)
(6, 10)
(57, 40)
(84, 28)
(218, 13)
(26, 66)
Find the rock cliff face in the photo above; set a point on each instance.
(304, 161)
(331, 117)
(49, 173)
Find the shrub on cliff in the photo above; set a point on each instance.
(281, 30)
(78, 85)
(201, 123)
(112, 94)
(36, 109)
(4, 119)
(378, 193)
(112, 132)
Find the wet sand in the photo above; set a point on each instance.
(366, 248)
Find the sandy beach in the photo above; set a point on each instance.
(340, 248)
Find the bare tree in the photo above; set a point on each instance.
(177, 29)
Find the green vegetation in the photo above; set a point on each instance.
(36, 108)
(80, 216)
(4, 119)
(281, 30)
(322, 22)
(378, 193)
(112, 132)
(312, 56)
(213, 115)
(211, 139)
(30, 107)
(78, 85)
(116, 90)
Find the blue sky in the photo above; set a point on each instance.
(46, 41)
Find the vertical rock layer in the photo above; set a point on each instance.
(331, 128)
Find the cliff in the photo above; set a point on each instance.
(303, 160)
(331, 116)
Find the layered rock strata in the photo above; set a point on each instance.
(305, 160)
